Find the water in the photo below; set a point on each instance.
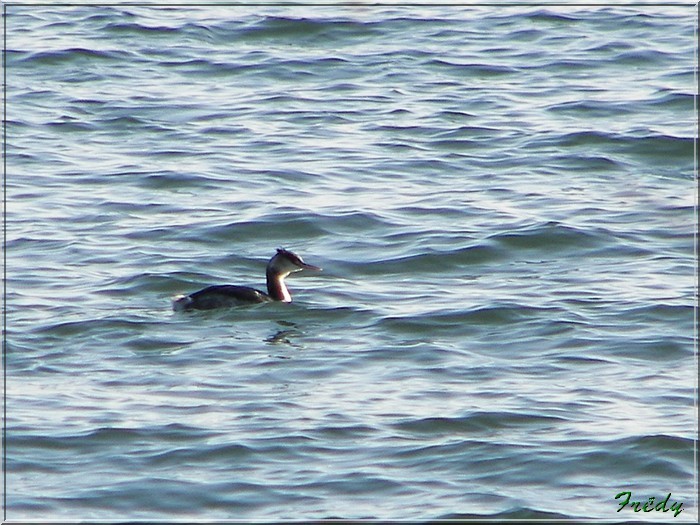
(502, 200)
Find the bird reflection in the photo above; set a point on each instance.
(285, 337)
(282, 337)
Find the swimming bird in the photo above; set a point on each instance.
(280, 266)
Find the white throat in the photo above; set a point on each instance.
(286, 296)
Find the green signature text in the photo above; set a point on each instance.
(648, 506)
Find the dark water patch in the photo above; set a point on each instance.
(639, 58)
(210, 68)
(160, 180)
(290, 71)
(406, 130)
(623, 453)
(551, 236)
(110, 207)
(343, 432)
(136, 285)
(139, 30)
(454, 453)
(444, 323)
(291, 177)
(174, 496)
(662, 313)
(426, 207)
(455, 145)
(156, 345)
(460, 116)
(276, 229)
(102, 14)
(654, 444)
(468, 69)
(658, 349)
(475, 423)
(661, 149)
(357, 315)
(353, 222)
(592, 109)
(658, 148)
(516, 513)
(437, 261)
(170, 153)
(587, 163)
(192, 456)
(70, 124)
(280, 27)
(526, 35)
(613, 48)
(108, 437)
(160, 233)
(354, 483)
(548, 17)
(125, 122)
(91, 327)
(17, 56)
(93, 104)
(225, 130)
(673, 101)
(624, 250)
(468, 133)
(585, 138)
(335, 62)
(303, 30)
(74, 55)
(582, 359)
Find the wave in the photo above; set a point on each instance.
(48, 58)
(123, 29)
(303, 30)
(427, 263)
(475, 423)
(550, 236)
(443, 323)
(514, 513)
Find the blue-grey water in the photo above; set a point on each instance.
(503, 202)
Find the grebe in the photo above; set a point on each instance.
(280, 266)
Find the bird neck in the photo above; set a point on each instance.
(276, 287)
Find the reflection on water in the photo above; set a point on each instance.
(285, 337)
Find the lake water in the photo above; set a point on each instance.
(503, 203)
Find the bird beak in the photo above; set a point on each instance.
(306, 266)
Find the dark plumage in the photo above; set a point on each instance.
(280, 266)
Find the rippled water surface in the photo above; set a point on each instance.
(503, 202)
